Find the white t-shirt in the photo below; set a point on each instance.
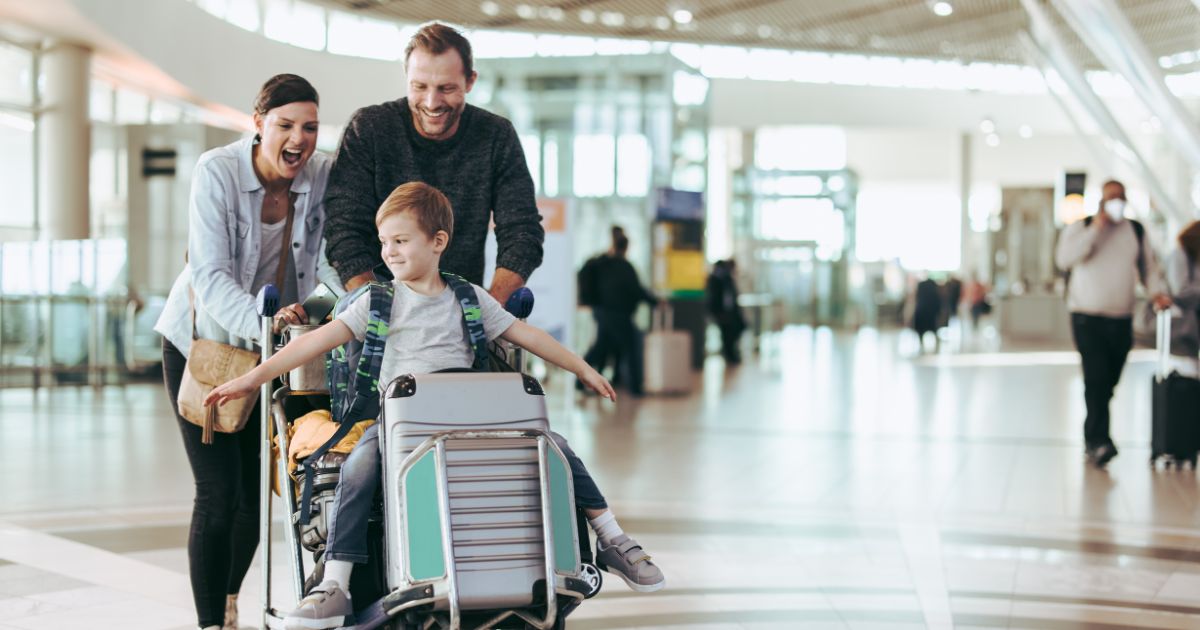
(268, 264)
(426, 333)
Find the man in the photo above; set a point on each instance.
(617, 293)
(432, 135)
(1105, 255)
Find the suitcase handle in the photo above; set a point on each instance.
(663, 317)
(1162, 342)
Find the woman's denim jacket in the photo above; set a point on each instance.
(224, 242)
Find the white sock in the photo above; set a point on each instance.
(339, 571)
(606, 527)
(211, 628)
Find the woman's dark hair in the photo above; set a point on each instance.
(284, 89)
(1189, 240)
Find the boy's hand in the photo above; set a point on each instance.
(239, 387)
(597, 383)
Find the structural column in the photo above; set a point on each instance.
(65, 142)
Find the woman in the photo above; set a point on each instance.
(241, 197)
(1183, 278)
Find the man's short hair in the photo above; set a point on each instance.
(1113, 182)
(429, 207)
(437, 38)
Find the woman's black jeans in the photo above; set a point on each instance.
(224, 531)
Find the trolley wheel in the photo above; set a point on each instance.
(592, 575)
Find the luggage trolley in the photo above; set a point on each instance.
(480, 527)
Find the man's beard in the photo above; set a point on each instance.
(438, 126)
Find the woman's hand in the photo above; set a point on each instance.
(287, 316)
(596, 381)
(239, 387)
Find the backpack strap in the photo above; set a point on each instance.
(472, 314)
(350, 407)
(1139, 230)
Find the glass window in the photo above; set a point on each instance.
(364, 37)
(16, 170)
(100, 102)
(550, 168)
(800, 148)
(530, 146)
(814, 220)
(593, 156)
(498, 44)
(16, 64)
(133, 108)
(162, 112)
(918, 224)
(295, 23)
(633, 165)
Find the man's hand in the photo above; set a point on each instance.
(1102, 219)
(1162, 302)
(504, 282)
(359, 280)
(292, 314)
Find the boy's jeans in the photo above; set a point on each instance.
(359, 482)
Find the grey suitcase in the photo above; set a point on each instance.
(493, 490)
(667, 357)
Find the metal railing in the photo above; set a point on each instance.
(48, 340)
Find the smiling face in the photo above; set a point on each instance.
(289, 137)
(437, 92)
(409, 252)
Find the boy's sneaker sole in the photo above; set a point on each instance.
(328, 623)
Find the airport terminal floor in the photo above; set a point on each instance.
(833, 480)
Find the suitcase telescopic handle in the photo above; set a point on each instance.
(1163, 342)
(663, 316)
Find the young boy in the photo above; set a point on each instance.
(425, 335)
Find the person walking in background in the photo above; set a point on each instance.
(953, 290)
(1183, 281)
(927, 310)
(1105, 255)
(616, 294)
(976, 298)
(722, 293)
(245, 197)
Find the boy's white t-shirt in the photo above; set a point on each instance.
(426, 333)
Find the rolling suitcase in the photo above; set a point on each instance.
(1175, 415)
(667, 357)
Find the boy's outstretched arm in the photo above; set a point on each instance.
(540, 342)
(299, 351)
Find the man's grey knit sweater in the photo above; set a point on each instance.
(481, 169)
(1103, 262)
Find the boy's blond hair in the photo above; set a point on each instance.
(428, 205)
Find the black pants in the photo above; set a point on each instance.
(731, 327)
(617, 338)
(224, 531)
(1103, 344)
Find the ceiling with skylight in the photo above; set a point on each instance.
(961, 30)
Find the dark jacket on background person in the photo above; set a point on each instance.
(481, 170)
(927, 306)
(722, 294)
(617, 287)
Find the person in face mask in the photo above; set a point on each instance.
(1106, 255)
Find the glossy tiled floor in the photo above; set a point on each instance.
(831, 482)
